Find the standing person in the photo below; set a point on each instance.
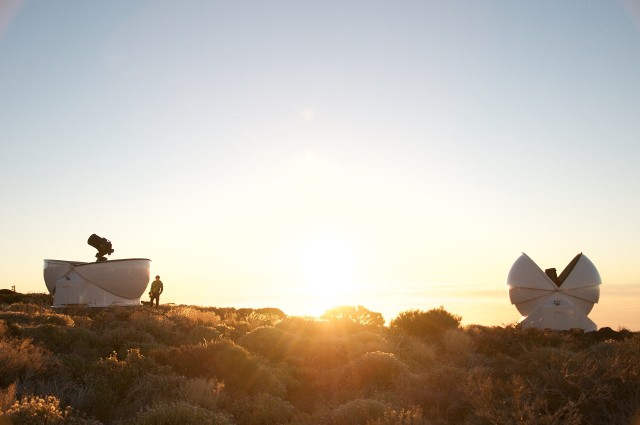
(156, 289)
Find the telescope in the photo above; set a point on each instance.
(103, 246)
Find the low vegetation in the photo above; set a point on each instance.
(189, 365)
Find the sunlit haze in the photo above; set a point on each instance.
(305, 155)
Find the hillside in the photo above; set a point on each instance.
(191, 365)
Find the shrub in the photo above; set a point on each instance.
(425, 324)
(159, 326)
(326, 351)
(306, 386)
(7, 398)
(224, 360)
(186, 316)
(604, 380)
(199, 333)
(410, 416)
(62, 339)
(29, 308)
(299, 326)
(179, 413)
(8, 296)
(357, 314)
(238, 322)
(312, 328)
(150, 390)
(436, 391)
(22, 317)
(261, 409)
(124, 336)
(516, 401)
(416, 352)
(111, 380)
(20, 358)
(272, 343)
(358, 412)
(370, 373)
(35, 410)
(457, 342)
(260, 317)
(300, 371)
(365, 342)
(202, 392)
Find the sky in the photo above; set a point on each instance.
(308, 154)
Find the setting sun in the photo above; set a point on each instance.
(327, 265)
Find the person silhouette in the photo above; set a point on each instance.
(156, 289)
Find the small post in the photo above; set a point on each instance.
(13, 288)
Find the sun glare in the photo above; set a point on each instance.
(327, 265)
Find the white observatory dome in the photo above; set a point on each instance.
(547, 300)
(98, 284)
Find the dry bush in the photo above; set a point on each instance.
(368, 374)
(515, 401)
(294, 370)
(440, 392)
(322, 351)
(80, 316)
(261, 409)
(425, 324)
(62, 339)
(152, 390)
(514, 340)
(366, 342)
(202, 392)
(14, 320)
(199, 334)
(313, 328)
(231, 314)
(237, 322)
(544, 369)
(606, 377)
(123, 336)
(180, 325)
(410, 416)
(7, 398)
(36, 410)
(187, 316)
(273, 344)
(553, 384)
(262, 317)
(326, 351)
(179, 413)
(20, 359)
(299, 326)
(457, 342)
(416, 353)
(29, 308)
(25, 318)
(357, 314)
(224, 360)
(161, 327)
(357, 412)
(38, 299)
(111, 380)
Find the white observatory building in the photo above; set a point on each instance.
(547, 300)
(99, 284)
